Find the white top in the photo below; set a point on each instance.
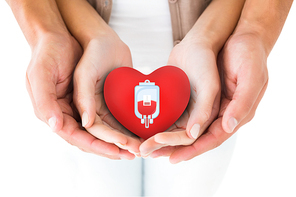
(145, 26)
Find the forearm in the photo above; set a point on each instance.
(37, 18)
(216, 24)
(83, 21)
(265, 19)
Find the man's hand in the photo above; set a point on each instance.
(244, 77)
(49, 76)
(49, 83)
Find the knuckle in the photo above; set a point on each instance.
(217, 144)
(82, 149)
(217, 141)
(247, 107)
(250, 117)
(206, 114)
(79, 100)
(70, 140)
(216, 87)
(37, 114)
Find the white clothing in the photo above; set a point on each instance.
(145, 26)
(45, 165)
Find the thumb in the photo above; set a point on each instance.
(42, 91)
(201, 113)
(84, 94)
(244, 99)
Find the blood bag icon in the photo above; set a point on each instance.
(147, 102)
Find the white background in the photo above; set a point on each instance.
(263, 162)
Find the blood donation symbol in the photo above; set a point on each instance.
(147, 102)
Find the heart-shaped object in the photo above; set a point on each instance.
(147, 104)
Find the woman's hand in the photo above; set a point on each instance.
(196, 55)
(103, 51)
(199, 63)
(101, 56)
(244, 76)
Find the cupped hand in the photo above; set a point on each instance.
(101, 56)
(49, 76)
(243, 71)
(49, 83)
(199, 63)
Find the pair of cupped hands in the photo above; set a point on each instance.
(65, 83)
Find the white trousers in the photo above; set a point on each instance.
(93, 176)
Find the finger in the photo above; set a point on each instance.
(165, 139)
(106, 133)
(163, 152)
(213, 138)
(124, 154)
(250, 116)
(173, 138)
(42, 90)
(203, 113)
(84, 140)
(133, 142)
(247, 91)
(84, 92)
(148, 146)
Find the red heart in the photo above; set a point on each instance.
(161, 96)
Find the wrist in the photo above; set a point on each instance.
(86, 25)
(96, 35)
(264, 22)
(38, 19)
(202, 40)
(216, 24)
(258, 32)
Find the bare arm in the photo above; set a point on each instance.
(83, 21)
(197, 55)
(37, 18)
(103, 52)
(217, 23)
(264, 18)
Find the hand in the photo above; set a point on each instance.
(244, 75)
(49, 76)
(101, 56)
(49, 83)
(199, 63)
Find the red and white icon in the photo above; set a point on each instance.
(146, 102)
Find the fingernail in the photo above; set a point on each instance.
(232, 123)
(120, 145)
(52, 122)
(84, 119)
(146, 155)
(136, 154)
(195, 130)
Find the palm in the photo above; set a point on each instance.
(199, 81)
(243, 73)
(200, 66)
(100, 58)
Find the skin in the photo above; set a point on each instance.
(196, 55)
(243, 72)
(202, 43)
(103, 52)
(241, 66)
(55, 54)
